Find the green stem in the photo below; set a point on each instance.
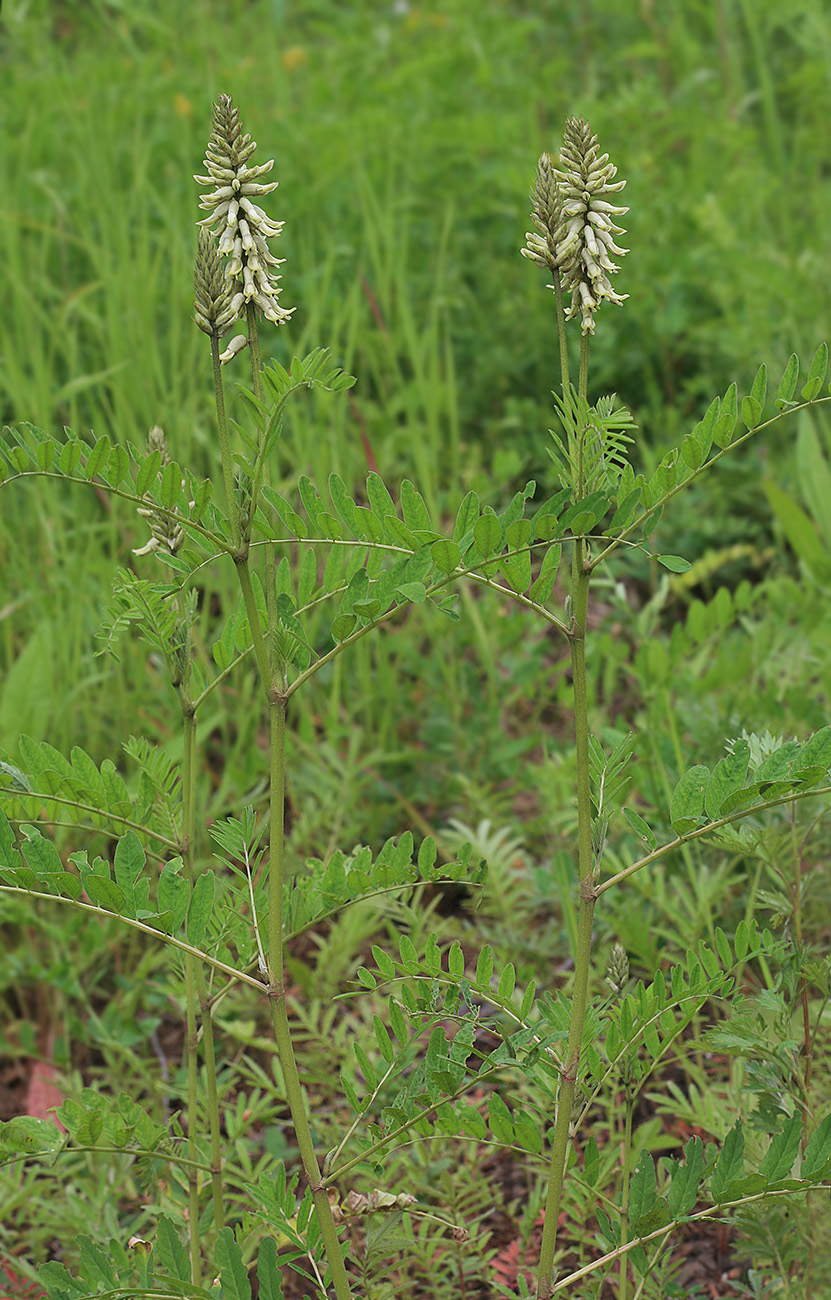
(213, 1103)
(752, 811)
(561, 331)
(276, 839)
(583, 381)
(224, 443)
(260, 649)
(629, 1103)
(196, 953)
(277, 704)
(568, 1079)
(192, 1172)
(189, 728)
(277, 994)
(189, 827)
(254, 349)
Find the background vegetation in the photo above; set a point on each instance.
(406, 138)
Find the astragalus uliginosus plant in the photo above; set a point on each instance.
(227, 924)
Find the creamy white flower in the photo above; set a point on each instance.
(583, 239)
(240, 225)
(236, 345)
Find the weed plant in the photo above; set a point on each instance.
(455, 1048)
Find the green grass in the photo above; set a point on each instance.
(405, 144)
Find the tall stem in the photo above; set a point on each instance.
(629, 1103)
(254, 349)
(193, 1149)
(568, 1078)
(189, 825)
(190, 1017)
(580, 579)
(257, 382)
(277, 994)
(561, 331)
(277, 705)
(224, 445)
(583, 380)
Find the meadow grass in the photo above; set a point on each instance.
(403, 139)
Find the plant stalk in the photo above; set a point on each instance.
(188, 726)
(254, 349)
(193, 1149)
(568, 1078)
(189, 826)
(561, 331)
(224, 445)
(629, 1103)
(277, 994)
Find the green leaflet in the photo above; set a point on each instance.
(688, 799)
(269, 1277)
(232, 1269)
(172, 1255)
(686, 1178)
(640, 827)
(129, 864)
(780, 1155)
(727, 777)
(200, 908)
(818, 1151)
(730, 1163)
(816, 374)
(787, 384)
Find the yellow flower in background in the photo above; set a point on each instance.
(294, 57)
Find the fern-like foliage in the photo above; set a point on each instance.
(591, 452)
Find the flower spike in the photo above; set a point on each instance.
(242, 228)
(573, 216)
(584, 237)
(546, 215)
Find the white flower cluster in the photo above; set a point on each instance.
(242, 227)
(574, 219)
